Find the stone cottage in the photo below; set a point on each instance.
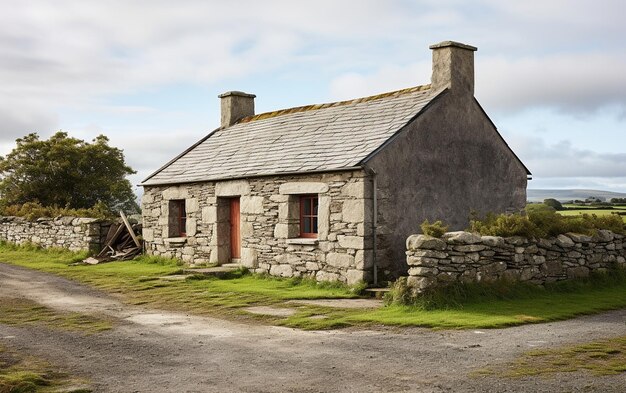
(333, 190)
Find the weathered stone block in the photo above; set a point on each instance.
(461, 237)
(312, 266)
(326, 276)
(564, 241)
(363, 259)
(511, 275)
(423, 261)
(492, 241)
(604, 236)
(323, 217)
(353, 210)
(354, 276)
(191, 227)
(469, 248)
(281, 270)
(249, 257)
(355, 242)
(353, 190)
(579, 238)
(577, 272)
(246, 229)
(430, 254)
(552, 268)
(423, 271)
(252, 205)
(421, 283)
(415, 242)
(191, 205)
(232, 188)
(147, 234)
(303, 188)
(516, 240)
(339, 260)
(281, 231)
(289, 259)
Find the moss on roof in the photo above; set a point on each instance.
(307, 108)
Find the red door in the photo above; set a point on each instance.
(235, 234)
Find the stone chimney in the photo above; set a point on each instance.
(235, 106)
(453, 67)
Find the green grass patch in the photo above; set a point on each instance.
(139, 282)
(579, 211)
(601, 357)
(26, 312)
(458, 307)
(25, 374)
(503, 303)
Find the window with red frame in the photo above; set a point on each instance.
(308, 215)
(178, 218)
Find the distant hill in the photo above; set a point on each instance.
(568, 195)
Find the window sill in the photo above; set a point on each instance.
(176, 241)
(306, 241)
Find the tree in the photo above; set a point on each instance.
(553, 203)
(66, 172)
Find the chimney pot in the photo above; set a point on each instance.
(453, 67)
(235, 105)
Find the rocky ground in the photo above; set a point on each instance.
(154, 351)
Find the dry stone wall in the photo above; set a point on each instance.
(467, 257)
(73, 233)
(269, 225)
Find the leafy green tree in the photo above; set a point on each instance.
(66, 172)
(553, 203)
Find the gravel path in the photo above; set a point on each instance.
(155, 351)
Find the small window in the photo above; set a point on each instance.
(308, 215)
(178, 218)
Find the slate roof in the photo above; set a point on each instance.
(313, 138)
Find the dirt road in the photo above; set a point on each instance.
(154, 351)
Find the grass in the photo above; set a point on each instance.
(26, 312)
(21, 374)
(139, 282)
(601, 357)
(578, 210)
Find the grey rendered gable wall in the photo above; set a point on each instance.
(447, 162)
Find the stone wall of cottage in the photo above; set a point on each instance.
(73, 233)
(269, 225)
(467, 257)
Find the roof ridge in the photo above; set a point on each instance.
(305, 108)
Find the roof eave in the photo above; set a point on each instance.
(358, 167)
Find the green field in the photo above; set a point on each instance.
(577, 210)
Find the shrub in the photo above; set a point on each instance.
(34, 210)
(553, 203)
(436, 229)
(544, 222)
(504, 225)
(400, 293)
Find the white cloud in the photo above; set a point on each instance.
(78, 56)
(577, 82)
(563, 160)
(386, 78)
(17, 121)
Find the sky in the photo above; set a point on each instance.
(551, 74)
